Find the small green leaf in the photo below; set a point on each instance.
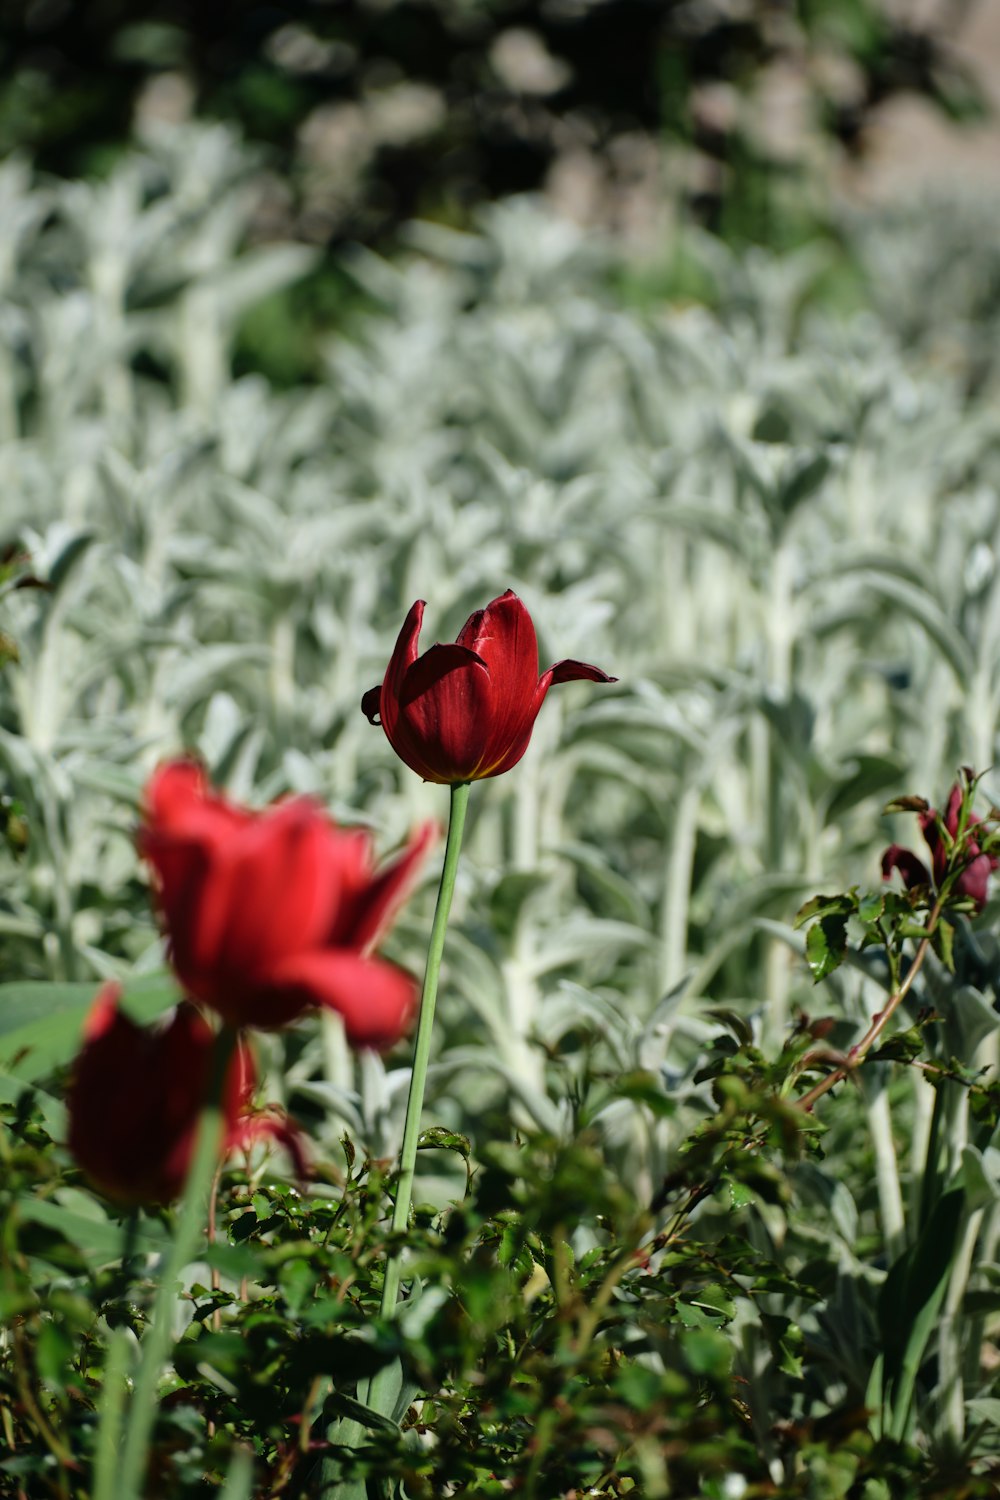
(438, 1138)
(708, 1353)
(739, 1194)
(871, 906)
(54, 1354)
(906, 804)
(733, 1022)
(903, 1047)
(826, 946)
(943, 943)
(824, 906)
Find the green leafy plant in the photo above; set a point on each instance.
(682, 1223)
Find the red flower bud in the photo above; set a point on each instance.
(466, 711)
(136, 1097)
(269, 913)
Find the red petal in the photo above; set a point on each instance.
(190, 836)
(573, 671)
(271, 1124)
(404, 654)
(178, 799)
(281, 886)
(503, 636)
(375, 998)
(953, 809)
(103, 1014)
(912, 869)
(563, 671)
(366, 912)
(443, 714)
(193, 893)
(135, 1098)
(974, 879)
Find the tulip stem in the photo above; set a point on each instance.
(422, 1049)
(189, 1225)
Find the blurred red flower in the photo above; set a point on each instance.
(268, 913)
(136, 1096)
(973, 880)
(466, 711)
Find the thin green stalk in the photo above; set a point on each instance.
(112, 1408)
(190, 1223)
(422, 1052)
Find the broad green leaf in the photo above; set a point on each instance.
(910, 1300)
(982, 1187)
(358, 1411)
(41, 1023)
(985, 1409)
(99, 1239)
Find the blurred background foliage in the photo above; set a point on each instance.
(636, 117)
(754, 472)
(371, 112)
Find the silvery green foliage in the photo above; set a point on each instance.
(777, 530)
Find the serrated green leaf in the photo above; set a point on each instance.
(826, 946)
(824, 906)
(943, 943)
(871, 906)
(904, 1046)
(437, 1138)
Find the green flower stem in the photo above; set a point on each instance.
(112, 1409)
(189, 1226)
(422, 1050)
(380, 1392)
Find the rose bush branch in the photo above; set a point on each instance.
(860, 1050)
(963, 856)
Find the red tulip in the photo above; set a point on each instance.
(466, 711)
(269, 913)
(136, 1096)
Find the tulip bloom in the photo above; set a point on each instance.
(269, 913)
(466, 711)
(136, 1097)
(978, 867)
